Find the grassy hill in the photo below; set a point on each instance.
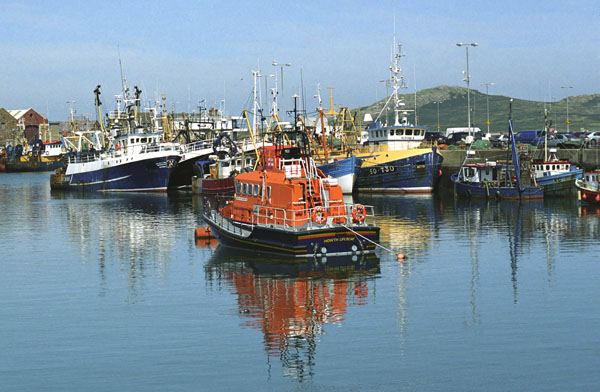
(584, 110)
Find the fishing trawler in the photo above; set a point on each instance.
(40, 156)
(556, 176)
(393, 160)
(497, 180)
(132, 160)
(290, 207)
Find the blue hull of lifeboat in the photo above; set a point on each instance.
(328, 241)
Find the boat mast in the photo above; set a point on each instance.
(255, 108)
(397, 82)
(545, 135)
(514, 148)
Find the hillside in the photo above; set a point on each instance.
(584, 110)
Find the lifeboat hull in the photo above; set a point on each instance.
(326, 241)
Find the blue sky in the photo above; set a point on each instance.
(58, 51)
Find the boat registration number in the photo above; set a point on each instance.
(381, 169)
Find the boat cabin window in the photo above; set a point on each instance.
(408, 132)
(269, 191)
(392, 131)
(291, 153)
(244, 189)
(144, 140)
(238, 187)
(256, 189)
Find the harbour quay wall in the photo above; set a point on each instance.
(587, 158)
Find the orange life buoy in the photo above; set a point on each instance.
(117, 147)
(319, 215)
(358, 213)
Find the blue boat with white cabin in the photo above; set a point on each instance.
(497, 180)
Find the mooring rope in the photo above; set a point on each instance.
(371, 241)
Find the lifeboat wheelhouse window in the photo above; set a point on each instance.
(244, 189)
(238, 187)
(256, 190)
(269, 191)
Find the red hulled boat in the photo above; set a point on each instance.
(589, 187)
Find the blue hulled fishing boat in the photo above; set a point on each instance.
(393, 158)
(497, 180)
(129, 158)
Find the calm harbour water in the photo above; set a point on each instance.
(109, 292)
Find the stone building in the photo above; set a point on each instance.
(9, 130)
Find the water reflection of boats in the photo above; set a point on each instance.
(407, 222)
(290, 300)
(140, 230)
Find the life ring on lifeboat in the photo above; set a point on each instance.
(358, 213)
(319, 214)
(117, 147)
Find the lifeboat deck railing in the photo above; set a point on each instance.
(299, 218)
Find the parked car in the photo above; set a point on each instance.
(463, 137)
(499, 141)
(564, 140)
(435, 136)
(530, 136)
(592, 139)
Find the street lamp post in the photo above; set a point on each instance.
(468, 80)
(568, 122)
(438, 115)
(281, 65)
(487, 100)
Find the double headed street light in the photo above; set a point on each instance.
(468, 80)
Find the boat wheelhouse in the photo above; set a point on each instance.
(556, 176)
(589, 187)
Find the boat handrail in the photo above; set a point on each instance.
(338, 213)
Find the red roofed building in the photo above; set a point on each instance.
(29, 122)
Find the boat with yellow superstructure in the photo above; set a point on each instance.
(393, 157)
